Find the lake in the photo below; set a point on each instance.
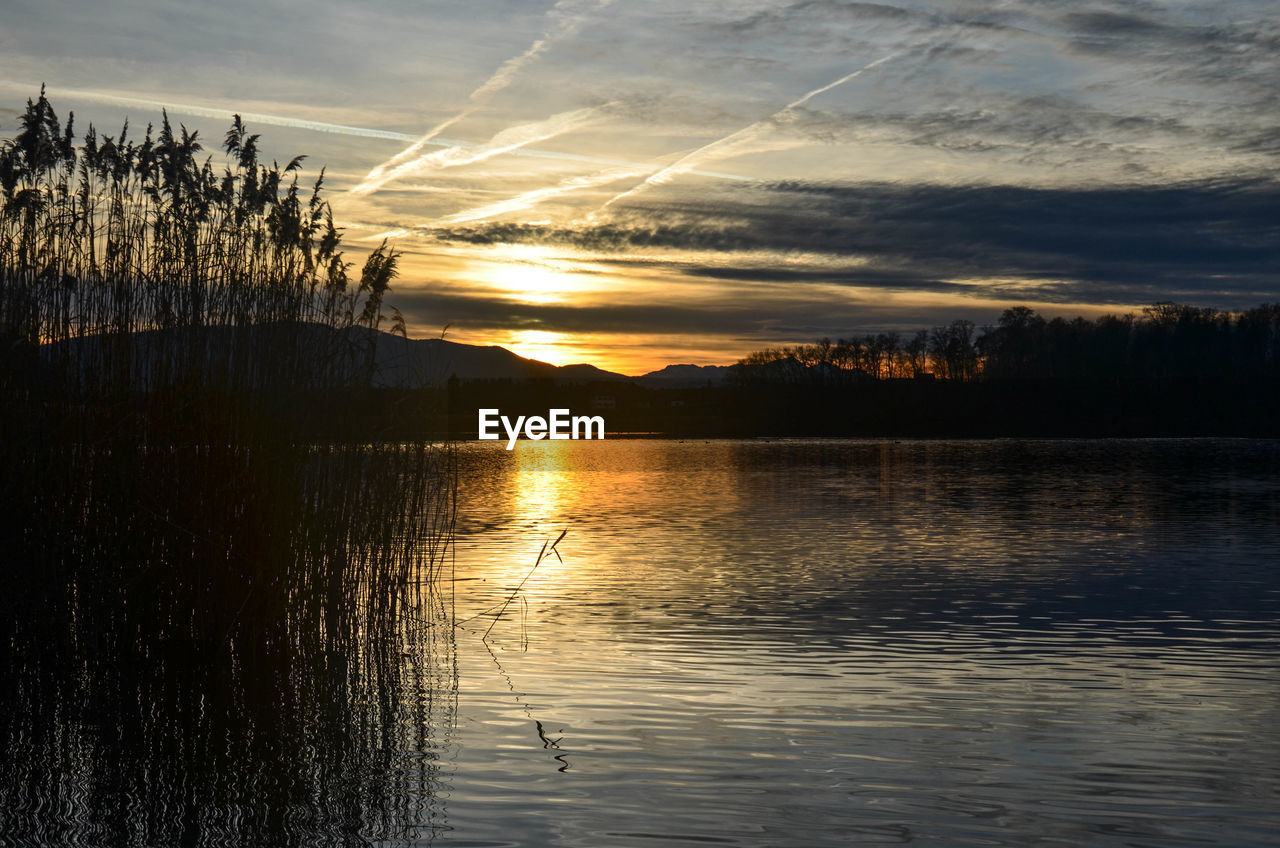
(809, 643)
(751, 643)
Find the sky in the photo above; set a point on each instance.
(635, 183)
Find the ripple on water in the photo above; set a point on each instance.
(836, 643)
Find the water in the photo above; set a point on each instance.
(830, 643)
(790, 643)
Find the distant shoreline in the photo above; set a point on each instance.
(664, 437)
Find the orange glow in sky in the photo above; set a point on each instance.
(638, 185)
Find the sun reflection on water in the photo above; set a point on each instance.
(541, 484)
(537, 494)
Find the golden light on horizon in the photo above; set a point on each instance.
(646, 303)
(532, 274)
(527, 282)
(544, 346)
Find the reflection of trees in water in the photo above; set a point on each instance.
(215, 648)
(895, 540)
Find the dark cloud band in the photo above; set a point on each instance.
(1217, 241)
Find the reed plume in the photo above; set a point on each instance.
(195, 515)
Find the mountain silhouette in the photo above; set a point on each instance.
(397, 362)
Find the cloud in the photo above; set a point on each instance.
(763, 321)
(1114, 152)
(826, 12)
(1032, 130)
(471, 311)
(830, 24)
(740, 142)
(567, 17)
(1211, 241)
(508, 140)
(529, 199)
(1242, 55)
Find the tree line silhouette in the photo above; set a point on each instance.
(1173, 370)
(1167, 342)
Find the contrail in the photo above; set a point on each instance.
(723, 147)
(325, 127)
(249, 117)
(540, 195)
(510, 139)
(567, 28)
(498, 80)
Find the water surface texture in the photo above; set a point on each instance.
(810, 643)
(790, 643)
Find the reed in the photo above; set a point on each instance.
(134, 267)
(192, 551)
(547, 547)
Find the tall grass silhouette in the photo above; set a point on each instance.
(220, 585)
